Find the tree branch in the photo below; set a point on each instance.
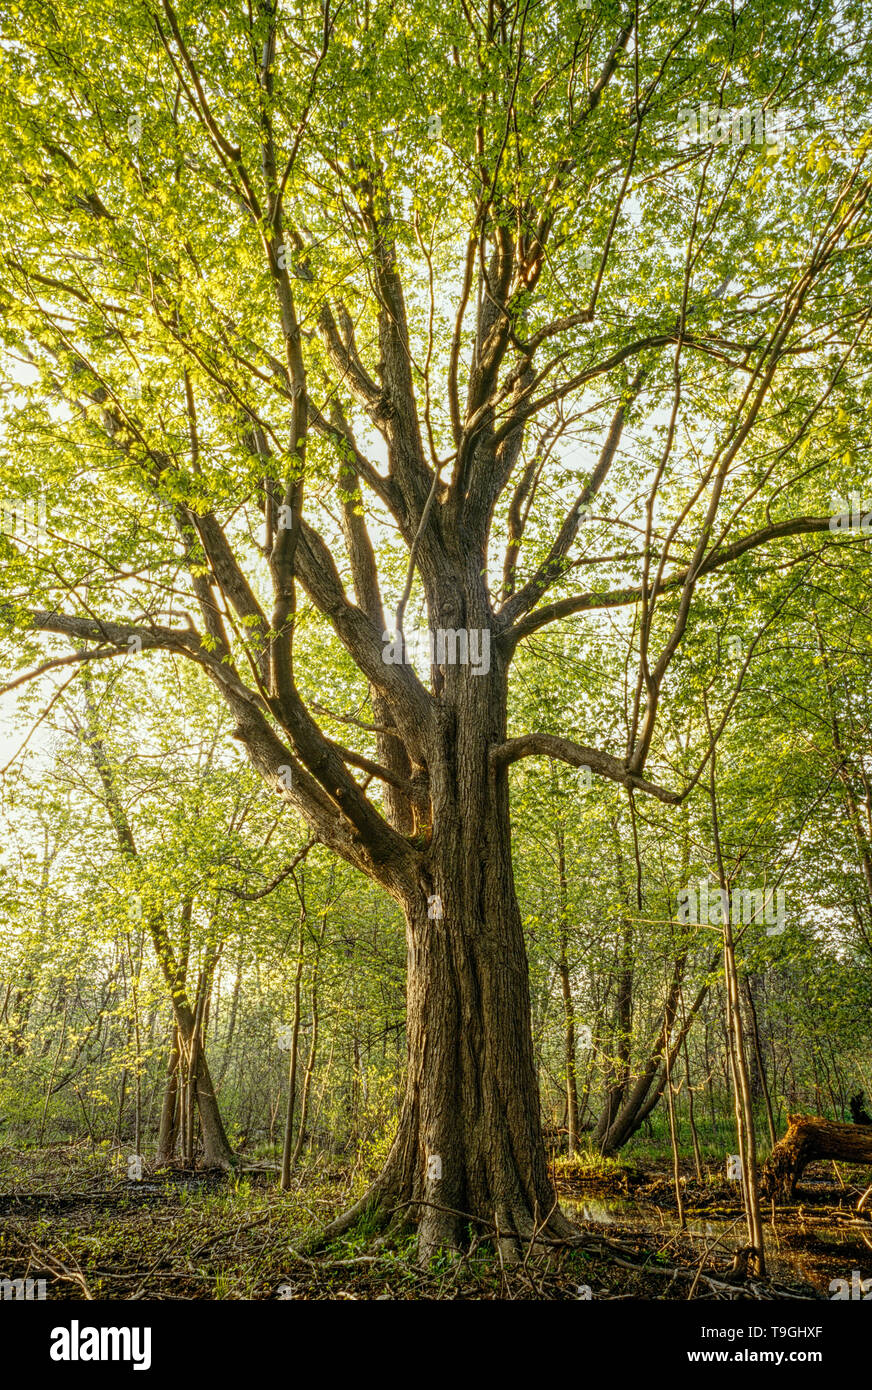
(603, 764)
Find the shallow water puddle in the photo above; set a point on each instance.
(804, 1246)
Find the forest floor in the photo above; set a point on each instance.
(70, 1215)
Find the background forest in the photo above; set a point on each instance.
(539, 333)
(267, 933)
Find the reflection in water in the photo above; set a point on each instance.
(719, 1235)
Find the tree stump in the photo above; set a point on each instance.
(810, 1137)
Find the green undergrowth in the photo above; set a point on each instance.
(70, 1215)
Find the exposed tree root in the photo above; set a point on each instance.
(528, 1244)
(514, 1230)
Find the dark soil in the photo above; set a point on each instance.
(69, 1215)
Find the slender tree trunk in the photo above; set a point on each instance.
(618, 1068)
(691, 1118)
(137, 1080)
(571, 1077)
(356, 1107)
(122, 1094)
(186, 1101)
(123, 1088)
(744, 1107)
(645, 1092)
(313, 1052)
(673, 1136)
(167, 1133)
(758, 1053)
(709, 1072)
(231, 1026)
(197, 1080)
(50, 1087)
(736, 1040)
(287, 1148)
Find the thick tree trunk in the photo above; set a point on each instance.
(469, 1153)
(810, 1137)
(470, 1139)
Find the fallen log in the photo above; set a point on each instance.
(810, 1137)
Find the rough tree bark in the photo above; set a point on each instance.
(469, 1141)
